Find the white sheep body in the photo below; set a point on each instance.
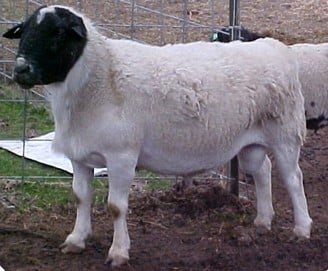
(187, 100)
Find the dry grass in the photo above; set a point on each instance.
(290, 21)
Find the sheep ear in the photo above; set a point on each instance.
(79, 31)
(15, 32)
(78, 28)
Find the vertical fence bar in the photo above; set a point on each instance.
(24, 137)
(26, 8)
(185, 21)
(133, 10)
(211, 3)
(161, 22)
(234, 18)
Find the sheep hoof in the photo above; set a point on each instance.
(298, 239)
(116, 260)
(302, 233)
(262, 230)
(117, 257)
(71, 248)
(262, 224)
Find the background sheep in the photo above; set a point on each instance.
(313, 62)
(245, 35)
(313, 70)
(178, 109)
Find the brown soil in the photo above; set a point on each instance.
(203, 228)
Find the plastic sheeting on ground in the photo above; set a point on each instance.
(39, 149)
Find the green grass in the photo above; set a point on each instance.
(16, 109)
(48, 193)
(12, 165)
(40, 188)
(43, 194)
(153, 182)
(163, 185)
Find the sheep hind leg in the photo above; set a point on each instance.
(253, 160)
(75, 241)
(291, 174)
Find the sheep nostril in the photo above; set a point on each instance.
(22, 66)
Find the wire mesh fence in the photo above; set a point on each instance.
(155, 22)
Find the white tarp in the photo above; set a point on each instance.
(39, 149)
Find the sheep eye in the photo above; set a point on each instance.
(58, 31)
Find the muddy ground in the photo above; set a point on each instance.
(203, 228)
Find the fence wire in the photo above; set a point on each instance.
(155, 22)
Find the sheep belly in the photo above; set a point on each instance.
(186, 156)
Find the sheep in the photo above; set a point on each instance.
(177, 109)
(313, 70)
(245, 35)
(312, 59)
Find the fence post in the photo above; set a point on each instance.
(234, 19)
(234, 6)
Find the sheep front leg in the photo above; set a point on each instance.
(121, 173)
(75, 242)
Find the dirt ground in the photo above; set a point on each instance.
(203, 228)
